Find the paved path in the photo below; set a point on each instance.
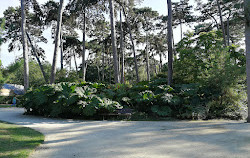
(118, 139)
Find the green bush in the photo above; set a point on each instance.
(154, 98)
(183, 101)
(68, 100)
(8, 99)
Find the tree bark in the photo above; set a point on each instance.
(25, 45)
(98, 72)
(113, 38)
(147, 52)
(216, 23)
(174, 50)
(119, 64)
(133, 45)
(160, 61)
(247, 36)
(181, 29)
(61, 46)
(103, 64)
(147, 58)
(84, 47)
(155, 66)
(86, 67)
(70, 64)
(222, 23)
(228, 31)
(121, 49)
(37, 58)
(110, 67)
(170, 44)
(75, 62)
(57, 42)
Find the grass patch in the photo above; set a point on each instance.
(17, 141)
(6, 106)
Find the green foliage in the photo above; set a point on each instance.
(184, 101)
(67, 76)
(14, 73)
(6, 99)
(208, 86)
(2, 24)
(154, 98)
(2, 77)
(68, 100)
(219, 71)
(161, 110)
(206, 59)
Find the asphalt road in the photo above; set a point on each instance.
(120, 139)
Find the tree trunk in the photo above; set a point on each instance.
(109, 63)
(160, 61)
(155, 65)
(133, 45)
(70, 65)
(103, 64)
(174, 50)
(57, 42)
(170, 44)
(37, 58)
(113, 38)
(25, 45)
(216, 23)
(86, 65)
(119, 65)
(247, 35)
(75, 62)
(222, 23)
(228, 32)
(98, 72)
(181, 29)
(84, 47)
(121, 49)
(147, 58)
(147, 52)
(61, 50)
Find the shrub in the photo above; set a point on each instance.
(184, 101)
(155, 98)
(67, 100)
(8, 99)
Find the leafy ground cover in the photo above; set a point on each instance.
(17, 141)
(149, 100)
(69, 100)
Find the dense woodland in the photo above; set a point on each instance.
(123, 51)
